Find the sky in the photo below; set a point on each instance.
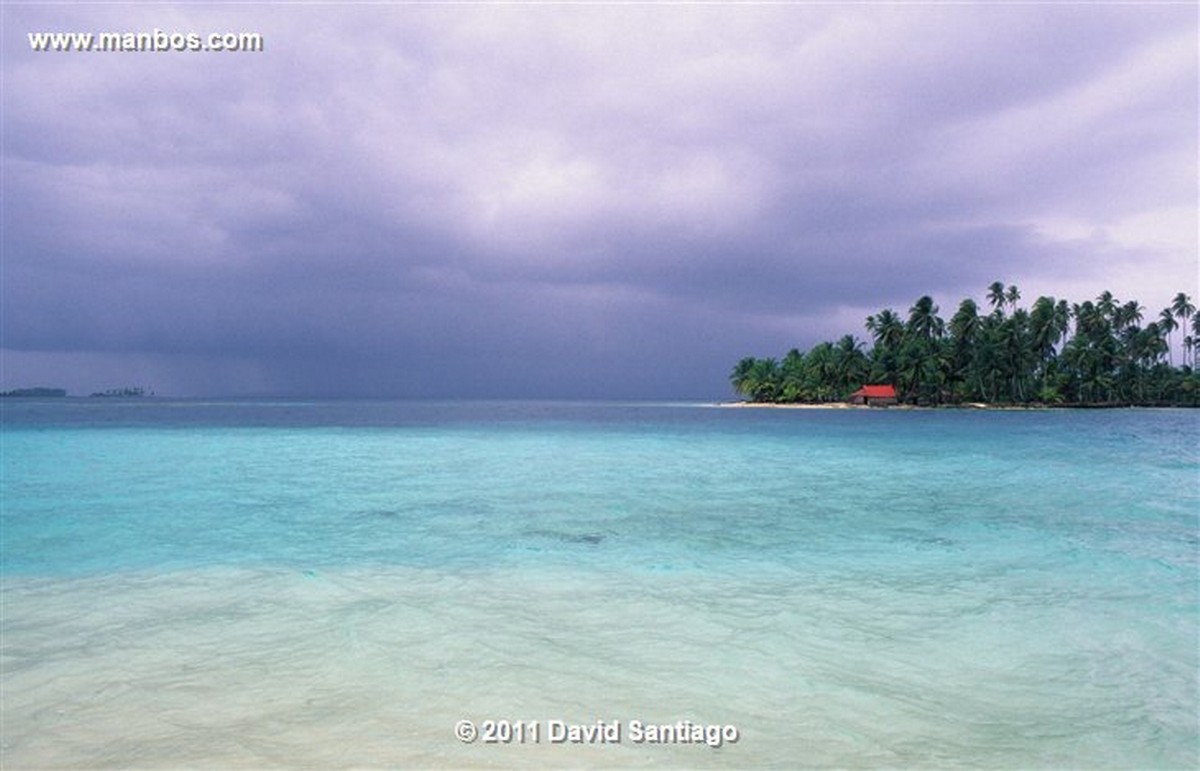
(602, 201)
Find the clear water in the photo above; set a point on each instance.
(336, 584)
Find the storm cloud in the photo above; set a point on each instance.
(570, 201)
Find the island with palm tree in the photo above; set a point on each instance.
(1055, 353)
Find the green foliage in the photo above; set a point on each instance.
(1091, 353)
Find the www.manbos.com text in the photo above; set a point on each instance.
(156, 40)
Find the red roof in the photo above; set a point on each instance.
(876, 392)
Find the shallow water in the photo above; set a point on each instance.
(336, 584)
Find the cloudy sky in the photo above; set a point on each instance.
(613, 201)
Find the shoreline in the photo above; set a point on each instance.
(983, 406)
(848, 406)
(795, 406)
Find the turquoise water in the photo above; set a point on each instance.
(337, 584)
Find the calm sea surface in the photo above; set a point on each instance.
(337, 584)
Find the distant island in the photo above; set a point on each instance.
(120, 393)
(1056, 353)
(34, 393)
(41, 392)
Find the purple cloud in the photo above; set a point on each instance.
(572, 201)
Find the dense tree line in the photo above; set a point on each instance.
(1054, 352)
(38, 392)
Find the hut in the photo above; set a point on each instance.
(874, 395)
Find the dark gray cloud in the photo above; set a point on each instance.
(566, 200)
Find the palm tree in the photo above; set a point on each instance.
(1094, 350)
(888, 329)
(819, 369)
(1016, 352)
(1126, 315)
(1195, 336)
(740, 376)
(964, 330)
(756, 379)
(1168, 324)
(1012, 295)
(849, 365)
(1156, 343)
(791, 372)
(1062, 320)
(996, 296)
(1183, 309)
(919, 356)
(1044, 334)
(764, 380)
(1106, 304)
(1146, 349)
(964, 325)
(986, 362)
(923, 321)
